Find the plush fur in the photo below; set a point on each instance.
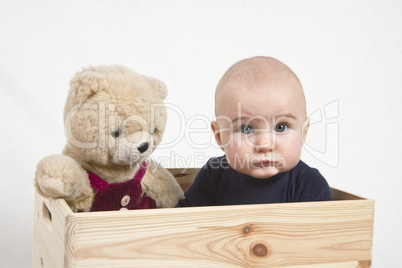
(110, 112)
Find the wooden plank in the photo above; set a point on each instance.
(315, 234)
(272, 235)
(365, 264)
(49, 231)
(184, 177)
(342, 195)
(353, 264)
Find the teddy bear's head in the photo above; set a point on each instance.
(114, 116)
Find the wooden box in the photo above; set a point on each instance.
(337, 233)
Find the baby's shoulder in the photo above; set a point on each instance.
(303, 172)
(216, 163)
(214, 167)
(309, 184)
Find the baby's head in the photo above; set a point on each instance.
(261, 119)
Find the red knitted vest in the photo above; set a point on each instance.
(120, 196)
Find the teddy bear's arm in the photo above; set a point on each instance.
(160, 184)
(61, 176)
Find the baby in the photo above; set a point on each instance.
(261, 125)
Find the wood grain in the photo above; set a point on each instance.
(49, 231)
(314, 234)
(234, 236)
(184, 177)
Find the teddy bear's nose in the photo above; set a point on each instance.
(143, 147)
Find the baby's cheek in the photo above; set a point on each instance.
(292, 152)
(230, 154)
(226, 140)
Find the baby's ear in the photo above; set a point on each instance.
(306, 125)
(85, 84)
(217, 134)
(160, 87)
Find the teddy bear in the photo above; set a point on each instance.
(114, 118)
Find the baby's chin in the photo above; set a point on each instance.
(261, 172)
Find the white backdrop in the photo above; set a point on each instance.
(348, 55)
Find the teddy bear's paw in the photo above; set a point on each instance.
(53, 187)
(59, 176)
(81, 204)
(159, 184)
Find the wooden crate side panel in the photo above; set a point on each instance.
(365, 264)
(184, 177)
(49, 232)
(342, 195)
(274, 235)
(353, 264)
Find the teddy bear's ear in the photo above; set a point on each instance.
(160, 87)
(85, 84)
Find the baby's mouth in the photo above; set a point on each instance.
(265, 163)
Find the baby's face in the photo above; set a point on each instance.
(261, 130)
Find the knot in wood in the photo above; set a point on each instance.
(259, 250)
(246, 229)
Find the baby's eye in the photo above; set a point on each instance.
(281, 128)
(246, 129)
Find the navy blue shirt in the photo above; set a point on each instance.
(218, 184)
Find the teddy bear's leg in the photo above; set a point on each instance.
(160, 184)
(61, 176)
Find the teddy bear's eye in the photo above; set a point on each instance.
(116, 133)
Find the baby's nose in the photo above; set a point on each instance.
(143, 147)
(265, 142)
